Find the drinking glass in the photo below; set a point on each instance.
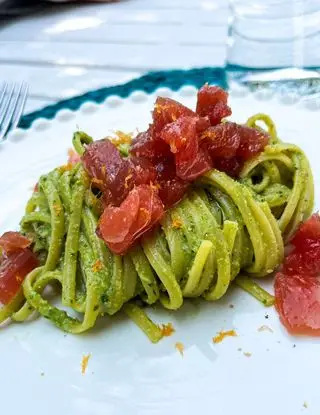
(274, 33)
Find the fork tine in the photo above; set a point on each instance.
(12, 103)
(20, 106)
(5, 103)
(3, 91)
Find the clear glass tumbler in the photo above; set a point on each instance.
(274, 33)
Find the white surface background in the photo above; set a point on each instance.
(74, 49)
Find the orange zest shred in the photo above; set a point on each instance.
(57, 208)
(66, 167)
(97, 266)
(19, 278)
(127, 180)
(173, 148)
(155, 186)
(144, 211)
(158, 108)
(121, 138)
(223, 334)
(177, 223)
(167, 329)
(210, 135)
(180, 347)
(96, 181)
(84, 363)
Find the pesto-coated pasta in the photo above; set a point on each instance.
(222, 230)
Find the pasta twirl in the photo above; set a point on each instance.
(221, 229)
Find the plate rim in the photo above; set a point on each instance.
(173, 79)
(108, 97)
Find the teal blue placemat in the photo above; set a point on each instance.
(148, 83)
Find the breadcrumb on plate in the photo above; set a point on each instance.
(265, 328)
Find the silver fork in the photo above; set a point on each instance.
(13, 97)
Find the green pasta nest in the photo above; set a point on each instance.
(221, 228)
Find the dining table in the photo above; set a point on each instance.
(96, 69)
(67, 49)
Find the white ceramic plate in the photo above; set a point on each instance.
(41, 366)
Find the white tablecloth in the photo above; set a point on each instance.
(74, 49)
